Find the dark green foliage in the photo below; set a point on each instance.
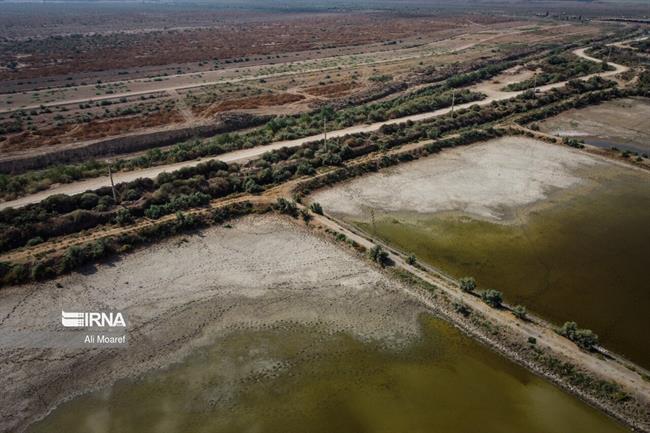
(584, 338)
(411, 259)
(467, 284)
(520, 312)
(286, 207)
(180, 202)
(378, 255)
(88, 200)
(493, 298)
(123, 217)
(306, 216)
(316, 208)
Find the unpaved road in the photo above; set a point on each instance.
(400, 54)
(246, 154)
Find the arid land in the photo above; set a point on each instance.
(216, 233)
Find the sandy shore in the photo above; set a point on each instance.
(180, 295)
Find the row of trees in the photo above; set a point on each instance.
(584, 338)
(80, 255)
(279, 128)
(59, 215)
(558, 68)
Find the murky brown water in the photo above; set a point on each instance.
(584, 257)
(304, 380)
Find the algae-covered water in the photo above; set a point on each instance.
(306, 380)
(582, 256)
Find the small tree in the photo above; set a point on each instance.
(467, 284)
(316, 208)
(493, 298)
(306, 216)
(411, 259)
(520, 312)
(584, 338)
(285, 206)
(377, 254)
(124, 217)
(568, 330)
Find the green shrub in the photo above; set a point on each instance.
(411, 259)
(584, 338)
(378, 255)
(286, 207)
(493, 298)
(467, 284)
(520, 312)
(34, 241)
(123, 217)
(316, 208)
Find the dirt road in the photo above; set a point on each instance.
(247, 154)
(209, 78)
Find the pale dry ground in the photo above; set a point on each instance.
(619, 121)
(180, 295)
(142, 86)
(489, 86)
(484, 180)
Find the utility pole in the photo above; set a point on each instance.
(372, 217)
(453, 99)
(110, 175)
(609, 54)
(324, 131)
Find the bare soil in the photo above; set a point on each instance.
(261, 271)
(483, 180)
(618, 122)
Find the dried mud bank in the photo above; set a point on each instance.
(184, 293)
(179, 295)
(618, 123)
(485, 180)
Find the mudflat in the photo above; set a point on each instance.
(482, 180)
(179, 293)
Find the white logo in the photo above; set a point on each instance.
(86, 320)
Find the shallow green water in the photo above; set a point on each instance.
(585, 257)
(443, 382)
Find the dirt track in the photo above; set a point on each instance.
(242, 155)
